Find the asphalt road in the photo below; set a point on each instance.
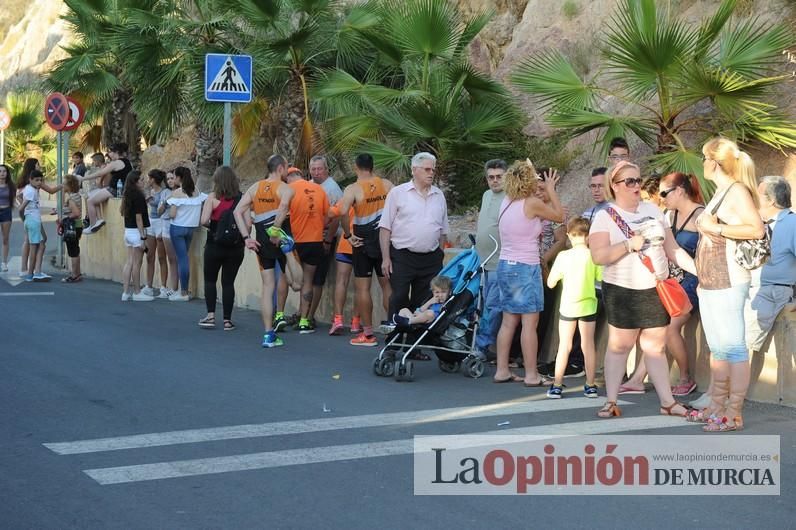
(80, 365)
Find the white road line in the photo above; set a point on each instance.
(42, 293)
(335, 453)
(521, 406)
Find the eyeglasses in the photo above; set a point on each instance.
(665, 193)
(618, 157)
(595, 186)
(427, 169)
(630, 182)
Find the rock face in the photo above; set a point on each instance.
(518, 29)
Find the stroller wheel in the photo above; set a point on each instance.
(473, 368)
(448, 367)
(405, 371)
(377, 366)
(386, 367)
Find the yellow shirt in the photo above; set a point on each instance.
(575, 267)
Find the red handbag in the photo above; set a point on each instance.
(672, 295)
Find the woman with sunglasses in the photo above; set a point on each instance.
(680, 196)
(731, 215)
(619, 237)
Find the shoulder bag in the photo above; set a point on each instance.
(672, 295)
(749, 253)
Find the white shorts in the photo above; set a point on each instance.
(165, 227)
(132, 238)
(155, 228)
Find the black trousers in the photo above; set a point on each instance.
(227, 260)
(412, 271)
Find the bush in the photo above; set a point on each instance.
(570, 9)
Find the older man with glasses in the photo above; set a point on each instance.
(488, 226)
(413, 232)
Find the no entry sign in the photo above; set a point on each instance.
(76, 115)
(56, 111)
(5, 119)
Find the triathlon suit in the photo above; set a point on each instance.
(367, 214)
(307, 219)
(265, 206)
(119, 175)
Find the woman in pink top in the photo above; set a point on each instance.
(519, 275)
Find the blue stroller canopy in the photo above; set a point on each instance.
(463, 270)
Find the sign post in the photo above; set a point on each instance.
(228, 79)
(56, 112)
(5, 121)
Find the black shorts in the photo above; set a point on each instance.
(365, 262)
(323, 267)
(73, 247)
(634, 308)
(310, 253)
(587, 318)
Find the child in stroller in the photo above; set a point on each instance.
(441, 290)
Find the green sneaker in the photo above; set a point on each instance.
(280, 323)
(270, 340)
(305, 326)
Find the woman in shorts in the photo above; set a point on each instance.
(154, 241)
(170, 286)
(633, 308)
(136, 221)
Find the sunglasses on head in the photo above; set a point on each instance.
(630, 182)
(664, 193)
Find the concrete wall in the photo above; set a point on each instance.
(773, 368)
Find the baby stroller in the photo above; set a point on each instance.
(451, 335)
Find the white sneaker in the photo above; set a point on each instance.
(142, 297)
(148, 291)
(126, 297)
(4, 267)
(96, 226)
(177, 297)
(41, 277)
(165, 293)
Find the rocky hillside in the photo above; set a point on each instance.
(519, 28)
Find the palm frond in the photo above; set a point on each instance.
(684, 161)
(550, 77)
(423, 28)
(246, 122)
(711, 28)
(579, 122)
(753, 48)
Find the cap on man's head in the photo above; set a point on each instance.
(293, 169)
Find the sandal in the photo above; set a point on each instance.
(722, 425)
(228, 325)
(543, 381)
(609, 410)
(513, 378)
(73, 279)
(667, 410)
(207, 322)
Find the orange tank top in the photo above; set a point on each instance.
(266, 202)
(368, 210)
(308, 211)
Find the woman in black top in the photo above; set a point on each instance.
(225, 255)
(136, 221)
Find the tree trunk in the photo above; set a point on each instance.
(209, 155)
(120, 125)
(289, 118)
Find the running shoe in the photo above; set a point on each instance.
(387, 327)
(280, 323)
(337, 326)
(165, 293)
(41, 277)
(126, 297)
(27, 277)
(364, 340)
(286, 243)
(356, 326)
(148, 291)
(177, 297)
(590, 391)
(305, 327)
(4, 267)
(270, 340)
(142, 297)
(555, 392)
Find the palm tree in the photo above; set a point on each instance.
(28, 136)
(93, 69)
(660, 71)
(419, 92)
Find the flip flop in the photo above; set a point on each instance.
(510, 379)
(627, 390)
(542, 382)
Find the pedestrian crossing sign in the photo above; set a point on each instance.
(228, 78)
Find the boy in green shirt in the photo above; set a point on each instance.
(578, 305)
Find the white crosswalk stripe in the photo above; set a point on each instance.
(334, 453)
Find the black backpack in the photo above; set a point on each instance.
(227, 233)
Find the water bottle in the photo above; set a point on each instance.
(119, 187)
(654, 234)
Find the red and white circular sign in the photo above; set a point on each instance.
(5, 119)
(76, 115)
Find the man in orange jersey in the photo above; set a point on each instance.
(308, 211)
(269, 200)
(366, 196)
